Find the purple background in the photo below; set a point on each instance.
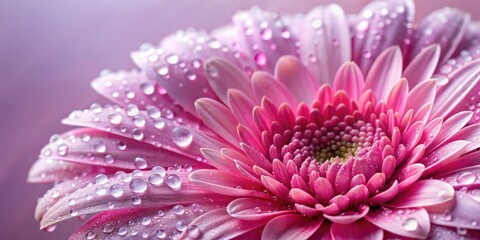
(51, 50)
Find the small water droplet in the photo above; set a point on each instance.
(182, 136)
(158, 170)
(115, 118)
(266, 34)
(131, 110)
(136, 200)
(260, 59)
(172, 59)
(96, 108)
(146, 221)
(161, 234)
(138, 185)
(109, 159)
(62, 149)
(91, 235)
(139, 121)
(173, 181)
(116, 190)
(140, 163)
(99, 146)
(193, 231)
(108, 228)
(101, 179)
(178, 210)
(147, 88)
(137, 134)
(212, 71)
(181, 226)
(155, 179)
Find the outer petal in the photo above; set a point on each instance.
(325, 42)
(256, 209)
(49, 170)
(385, 72)
(264, 85)
(296, 77)
(423, 65)
(414, 223)
(463, 177)
(291, 226)
(371, 33)
(358, 230)
(464, 214)
(424, 193)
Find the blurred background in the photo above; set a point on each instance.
(51, 50)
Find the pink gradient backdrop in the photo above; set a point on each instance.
(49, 52)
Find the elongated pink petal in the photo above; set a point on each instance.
(423, 65)
(462, 177)
(265, 85)
(300, 196)
(348, 217)
(464, 214)
(296, 77)
(226, 184)
(370, 38)
(359, 229)
(440, 232)
(325, 42)
(409, 175)
(46, 170)
(218, 224)
(421, 94)
(218, 118)
(414, 223)
(432, 29)
(443, 155)
(291, 226)
(397, 98)
(255, 209)
(388, 68)
(223, 75)
(350, 79)
(145, 223)
(276, 187)
(449, 127)
(241, 106)
(220, 161)
(470, 133)
(257, 40)
(424, 193)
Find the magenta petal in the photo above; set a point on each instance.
(464, 214)
(423, 65)
(443, 155)
(276, 187)
(291, 226)
(220, 161)
(421, 94)
(265, 85)
(397, 98)
(296, 77)
(302, 197)
(256, 209)
(324, 53)
(409, 175)
(356, 230)
(414, 223)
(424, 193)
(441, 233)
(349, 78)
(433, 29)
(151, 223)
(349, 217)
(218, 224)
(470, 133)
(386, 195)
(387, 67)
(462, 177)
(370, 34)
(449, 127)
(241, 106)
(226, 184)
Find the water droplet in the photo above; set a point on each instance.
(178, 210)
(266, 34)
(190, 75)
(101, 179)
(139, 121)
(122, 231)
(158, 170)
(173, 181)
(161, 213)
(146, 221)
(214, 44)
(62, 149)
(212, 71)
(99, 146)
(172, 59)
(91, 235)
(138, 185)
(163, 71)
(109, 159)
(193, 231)
(161, 234)
(155, 179)
(197, 63)
(316, 23)
(362, 26)
(260, 59)
(147, 88)
(115, 118)
(96, 108)
(108, 228)
(159, 124)
(137, 134)
(101, 190)
(153, 112)
(410, 224)
(136, 200)
(140, 163)
(131, 110)
(121, 145)
(181, 226)
(461, 231)
(182, 136)
(466, 178)
(116, 190)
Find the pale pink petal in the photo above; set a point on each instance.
(223, 75)
(350, 79)
(264, 37)
(425, 193)
(397, 98)
(466, 160)
(249, 137)
(386, 195)
(46, 170)
(443, 155)
(256, 209)
(257, 157)
(413, 223)
(348, 217)
(465, 213)
(449, 127)
(241, 106)
(423, 65)
(441, 233)
(460, 84)
(226, 184)
(470, 133)
(421, 94)
(444, 27)
(145, 223)
(359, 229)
(370, 34)
(217, 224)
(412, 135)
(265, 85)
(409, 175)
(385, 72)
(325, 42)
(219, 161)
(296, 77)
(291, 226)
(468, 177)
(117, 193)
(218, 118)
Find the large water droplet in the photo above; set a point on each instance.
(466, 178)
(137, 134)
(115, 118)
(91, 235)
(159, 124)
(138, 185)
(178, 210)
(410, 224)
(181, 226)
(140, 163)
(147, 88)
(193, 231)
(116, 190)
(182, 136)
(96, 108)
(158, 170)
(161, 234)
(139, 121)
(108, 228)
(136, 200)
(146, 221)
(101, 179)
(99, 146)
(153, 112)
(109, 159)
(155, 179)
(173, 181)
(131, 110)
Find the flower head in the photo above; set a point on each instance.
(281, 127)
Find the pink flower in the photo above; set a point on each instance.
(281, 127)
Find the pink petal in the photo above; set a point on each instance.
(218, 224)
(371, 37)
(324, 53)
(140, 222)
(258, 158)
(397, 98)
(250, 138)
(385, 72)
(241, 106)
(218, 118)
(423, 65)
(409, 175)
(470, 133)
(432, 29)
(300, 196)
(359, 229)
(99, 197)
(291, 226)
(226, 184)
(324, 190)
(440, 233)
(443, 155)
(220, 161)
(350, 79)
(413, 223)
(425, 193)
(274, 186)
(257, 40)
(223, 75)
(296, 77)
(421, 94)
(386, 195)
(348, 217)
(462, 177)
(449, 127)
(49, 170)
(323, 232)
(464, 214)
(255, 209)
(265, 85)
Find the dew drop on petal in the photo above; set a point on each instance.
(147, 88)
(146, 221)
(131, 110)
(122, 231)
(159, 124)
(173, 181)
(116, 190)
(182, 136)
(158, 170)
(172, 59)
(153, 112)
(101, 179)
(178, 210)
(137, 134)
(109, 159)
(260, 59)
(181, 226)
(90, 235)
(161, 234)
(96, 108)
(99, 146)
(155, 179)
(212, 71)
(139, 121)
(140, 163)
(136, 200)
(115, 118)
(108, 228)
(410, 224)
(62, 149)
(138, 185)
(466, 178)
